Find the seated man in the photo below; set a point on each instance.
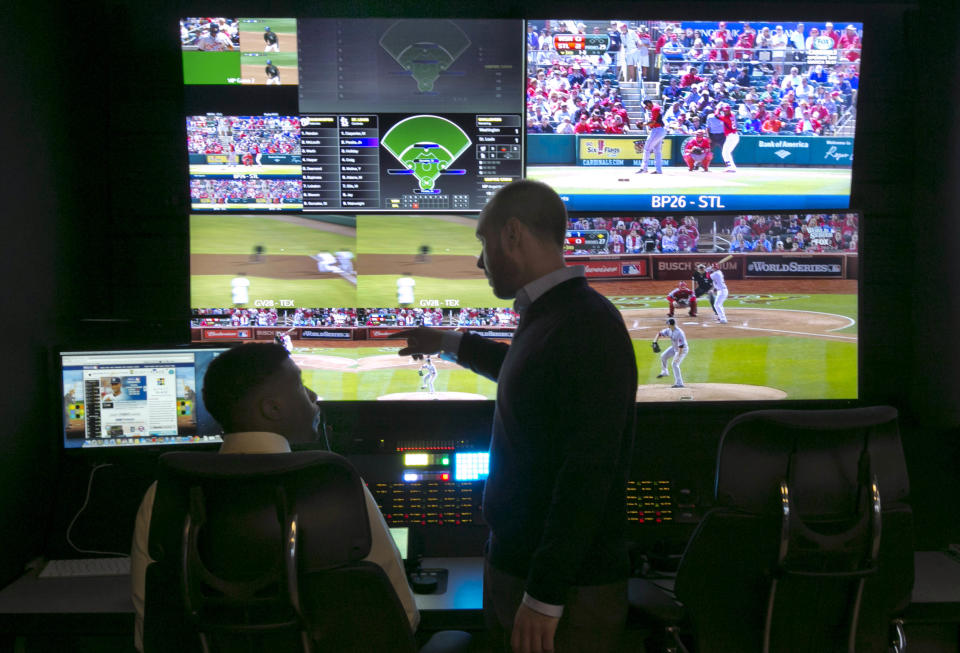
(257, 395)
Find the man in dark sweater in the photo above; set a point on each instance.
(557, 565)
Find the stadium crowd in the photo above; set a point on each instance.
(269, 317)
(245, 191)
(634, 235)
(243, 139)
(812, 232)
(778, 78)
(401, 317)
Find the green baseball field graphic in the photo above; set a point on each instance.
(425, 48)
(426, 146)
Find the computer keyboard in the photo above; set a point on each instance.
(86, 567)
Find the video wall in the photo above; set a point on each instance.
(337, 168)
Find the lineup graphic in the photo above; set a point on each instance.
(426, 146)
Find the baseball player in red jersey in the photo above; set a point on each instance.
(730, 136)
(654, 143)
(682, 296)
(697, 152)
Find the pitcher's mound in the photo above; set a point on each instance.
(708, 392)
(426, 396)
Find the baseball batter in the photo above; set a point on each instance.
(429, 373)
(677, 351)
(682, 296)
(730, 137)
(270, 40)
(720, 288)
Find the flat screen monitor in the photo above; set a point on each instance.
(792, 305)
(112, 399)
(613, 108)
(337, 114)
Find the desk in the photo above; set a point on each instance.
(101, 604)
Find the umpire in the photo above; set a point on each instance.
(702, 285)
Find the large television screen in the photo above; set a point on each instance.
(342, 286)
(337, 167)
(613, 109)
(327, 114)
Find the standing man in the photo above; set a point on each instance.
(240, 289)
(731, 138)
(405, 285)
(429, 373)
(270, 40)
(556, 561)
(273, 74)
(720, 288)
(630, 51)
(677, 351)
(654, 143)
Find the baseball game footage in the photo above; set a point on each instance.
(766, 303)
(706, 167)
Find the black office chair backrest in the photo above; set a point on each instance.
(265, 552)
(811, 536)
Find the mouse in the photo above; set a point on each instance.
(423, 583)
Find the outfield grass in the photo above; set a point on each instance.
(235, 234)
(213, 290)
(405, 234)
(380, 290)
(278, 25)
(280, 59)
(804, 368)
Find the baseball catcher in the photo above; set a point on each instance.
(682, 296)
(697, 153)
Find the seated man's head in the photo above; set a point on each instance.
(258, 387)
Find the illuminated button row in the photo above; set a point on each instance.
(649, 502)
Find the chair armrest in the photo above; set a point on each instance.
(652, 602)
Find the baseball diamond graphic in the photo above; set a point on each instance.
(426, 146)
(425, 49)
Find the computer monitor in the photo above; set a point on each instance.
(149, 397)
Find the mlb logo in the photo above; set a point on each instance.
(632, 270)
(243, 333)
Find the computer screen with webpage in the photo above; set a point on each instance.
(135, 398)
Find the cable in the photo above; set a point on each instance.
(73, 521)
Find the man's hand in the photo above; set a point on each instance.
(532, 632)
(420, 341)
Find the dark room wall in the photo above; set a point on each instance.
(98, 167)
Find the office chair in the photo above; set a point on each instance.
(264, 552)
(809, 545)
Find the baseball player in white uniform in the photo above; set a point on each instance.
(405, 286)
(240, 289)
(429, 372)
(720, 288)
(677, 351)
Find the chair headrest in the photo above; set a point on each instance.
(241, 495)
(756, 447)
